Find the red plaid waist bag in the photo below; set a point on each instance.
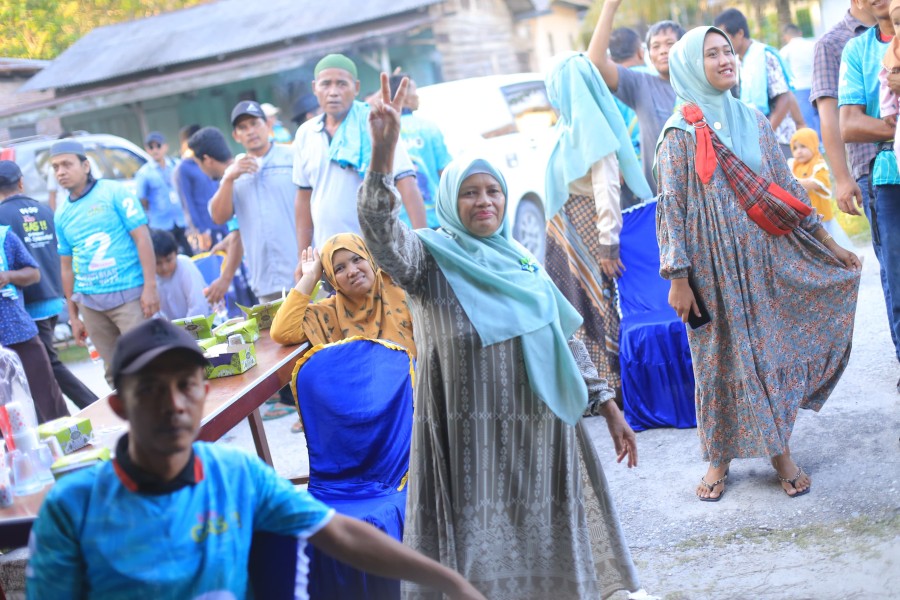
(766, 203)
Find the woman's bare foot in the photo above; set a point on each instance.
(712, 485)
(794, 480)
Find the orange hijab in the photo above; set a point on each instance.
(808, 138)
(382, 314)
(891, 58)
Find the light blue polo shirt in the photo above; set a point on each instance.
(95, 231)
(858, 85)
(156, 185)
(264, 207)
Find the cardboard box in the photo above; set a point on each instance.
(207, 343)
(248, 329)
(79, 460)
(72, 433)
(263, 313)
(199, 326)
(225, 360)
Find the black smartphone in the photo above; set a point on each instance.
(693, 320)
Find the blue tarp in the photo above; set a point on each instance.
(655, 359)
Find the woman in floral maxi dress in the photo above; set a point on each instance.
(781, 306)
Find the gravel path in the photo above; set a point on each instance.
(840, 541)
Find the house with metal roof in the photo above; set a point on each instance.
(194, 64)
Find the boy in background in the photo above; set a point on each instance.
(178, 279)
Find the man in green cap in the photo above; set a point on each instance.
(331, 155)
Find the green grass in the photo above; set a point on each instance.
(72, 353)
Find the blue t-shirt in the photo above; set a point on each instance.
(156, 185)
(196, 189)
(95, 231)
(425, 146)
(858, 85)
(94, 537)
(16, 325)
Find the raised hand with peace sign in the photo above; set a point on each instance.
(384, 125)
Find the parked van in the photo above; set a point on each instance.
(507, 120)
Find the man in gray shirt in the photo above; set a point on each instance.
(257, 187)
(650, 95)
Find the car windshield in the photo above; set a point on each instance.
(106, 162)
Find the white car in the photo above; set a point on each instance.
(507, 120)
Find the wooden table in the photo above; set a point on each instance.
(230, 400)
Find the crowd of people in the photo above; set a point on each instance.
(507, 497)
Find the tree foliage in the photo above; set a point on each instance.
(45, 28)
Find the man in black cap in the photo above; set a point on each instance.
(258, 189)
(32, 221)
(178, 516)
(107, 258)
(155, 182)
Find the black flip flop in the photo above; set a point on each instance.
(712, 486)
(793, 483)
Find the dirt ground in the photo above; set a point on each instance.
(841, 541)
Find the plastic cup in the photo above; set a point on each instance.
(26, 440)
(43, 459)
(26, 478)
(54, 446)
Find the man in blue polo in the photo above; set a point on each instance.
(860, 120)
(105, 251)
(158, 193)
(173, 518)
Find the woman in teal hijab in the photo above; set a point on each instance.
(781, 307)
(495, 487)
(584, 213)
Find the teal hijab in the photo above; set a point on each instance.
(506, 294)
(738, 129)
(590, 126)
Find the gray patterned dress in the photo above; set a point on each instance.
(500, 489)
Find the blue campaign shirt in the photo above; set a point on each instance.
(16, 325)
(95, 230)
(425, 146)
(156, 185)
(96, 537)
(858, 85)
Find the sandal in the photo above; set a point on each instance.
(297, 427)
(711, 487)
(793, 483)
(276, 412)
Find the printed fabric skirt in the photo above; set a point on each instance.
(573, 262)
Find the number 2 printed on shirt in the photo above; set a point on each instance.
(100, 261)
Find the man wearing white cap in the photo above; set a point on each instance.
(278, 133)
(107, 259)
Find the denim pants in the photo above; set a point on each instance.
(886, 219)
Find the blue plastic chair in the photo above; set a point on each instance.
(356, 402)
(654, 356)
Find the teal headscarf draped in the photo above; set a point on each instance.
(738, 123)
(351, 145)
(590, 127)
(506, 294)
